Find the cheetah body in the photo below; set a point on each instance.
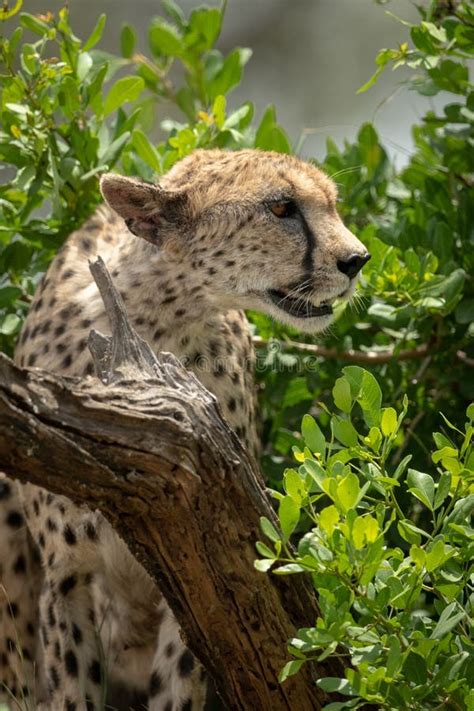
(207, 244)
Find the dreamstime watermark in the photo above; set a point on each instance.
(272, 357)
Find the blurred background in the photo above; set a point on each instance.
(309, 58)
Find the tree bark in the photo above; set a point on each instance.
(148, 447)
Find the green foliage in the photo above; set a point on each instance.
(417, 300)
(389, 550)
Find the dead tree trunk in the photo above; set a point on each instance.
(148, 447)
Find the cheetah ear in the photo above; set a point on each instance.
(146, 209)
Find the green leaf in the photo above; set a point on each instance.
(34, 24)
(218, 110)
(270, 136)
(230, 74)
(394, 657)
(442, 490)
(294, 485)
(146, 150)
(96, 34)
(173, 11)
(289, 515)
(203, 29)
(269, 529)
(289, 569)
(128, 41)
(389, 421)
(348, 491)
(10, 324)
(437, 555)
(264, 550)
(415, 669)
(328, 519)
(332, 684)
(422, 486)
(263, 565)
(449, 618)
(124, 90)
(443, 453)
(366, 390)
(409, 532)
(344, 431)
(289, 669)
(312, 435)
(164, 39)
(341, 393)
(8, 295)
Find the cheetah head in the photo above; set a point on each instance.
(258, 230)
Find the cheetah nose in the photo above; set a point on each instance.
(352, 266)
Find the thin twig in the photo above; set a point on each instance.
(352, 356)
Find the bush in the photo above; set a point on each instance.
(389, 549)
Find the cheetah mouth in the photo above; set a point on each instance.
(298, 308)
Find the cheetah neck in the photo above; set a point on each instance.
(169, 306)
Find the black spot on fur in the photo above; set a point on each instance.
(91, 532)
(59, 330)
(14, 519)
(51, 616)
(94, 672)
(51, 525)
(67, 360)
(231, 404)
(36, 507)
(67, 584)
(156, 684)
(41, 540)
(32, 359)
(57, 650)
(76, 634)
(169, 649)
(69, 535)
(19, 566)
(186, 663)
(70, 661)
(70, 705)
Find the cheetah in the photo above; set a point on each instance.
(222, 232)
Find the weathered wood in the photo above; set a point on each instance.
(152, 452)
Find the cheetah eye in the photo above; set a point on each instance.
(284, 208)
